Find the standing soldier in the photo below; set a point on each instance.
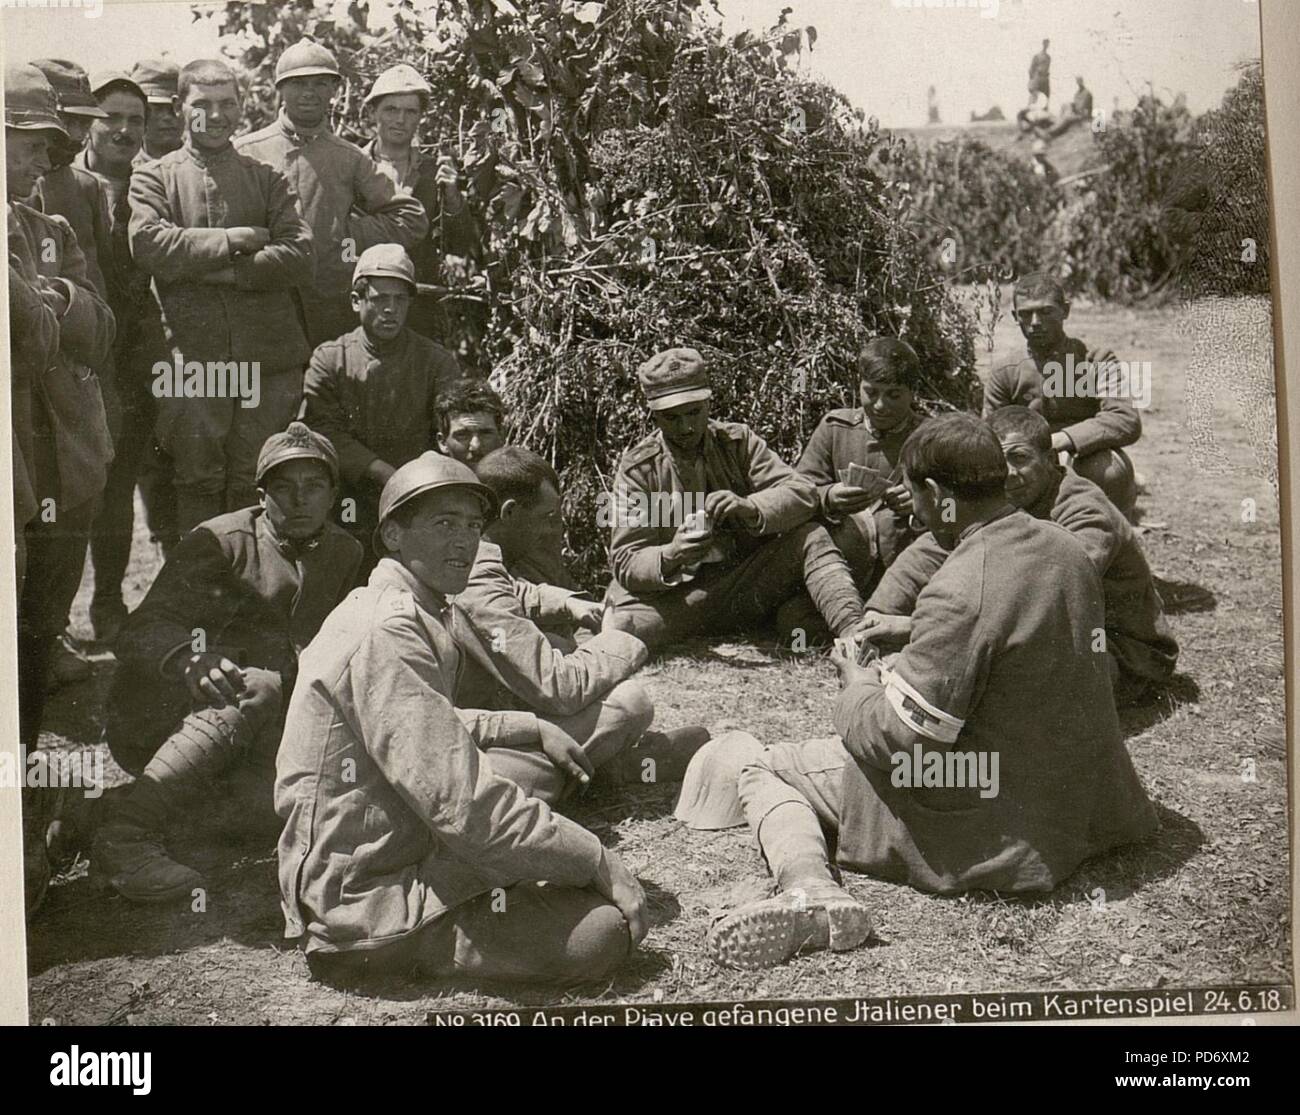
(208, 658)
(80, 198)
(372, 392)
(62, 330)
(222, 236)
(162, 126)
(116, 138)
(397, 103)
(1080, 391)
(1040, 76)
(349, 205)
(679, 572)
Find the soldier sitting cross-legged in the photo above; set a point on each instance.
(206, 662)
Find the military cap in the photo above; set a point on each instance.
(427, 473)
(71, 87)
(158, 78)
(305, 58)
(102, 83)
(29, 101)
(297, 443)
(1038, 289)
(673, 378)
(384, 261)
(399, 79)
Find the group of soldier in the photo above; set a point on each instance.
(364, 600)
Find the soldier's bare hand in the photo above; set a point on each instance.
(246, 239)
(585, 613)
(726, 505)
(844, 657)
(898, 498)
(876, 627)
(213, 679)
(685, 549)
(845, 500)
(565, 752)
(620, 886)
(448, 177)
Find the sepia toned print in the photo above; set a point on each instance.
(537, 511)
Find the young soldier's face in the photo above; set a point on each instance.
(116, 140)
(162, 128)
(397, 118)
(307, 99)
(382, 305)
(684, 427)
(210, 114)
(297, 497)
(441, 541)
(27, 157)
(1030, 471)
(1043, 324)
(470, 437)
(888, 405)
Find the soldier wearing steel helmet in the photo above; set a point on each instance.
(206, 662)
(373, 391)
(348, 203)
(395, 105)
(402, 846)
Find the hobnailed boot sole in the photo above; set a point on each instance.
(770, 932)
(177, 893)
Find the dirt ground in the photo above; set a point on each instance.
(1204, 902)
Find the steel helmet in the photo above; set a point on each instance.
(427, 473)
(305, 58)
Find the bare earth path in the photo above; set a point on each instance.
(1204, 902)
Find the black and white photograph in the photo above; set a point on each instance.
(644, 513)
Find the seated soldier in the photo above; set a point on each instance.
(945, 776)
(711, 530)
(471, 424)
(1078, 390)
(511, 663)
(208, 658)
(372, 391)
(1138, 642)
(402, 844)
(869, 527)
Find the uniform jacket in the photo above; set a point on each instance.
(391, 813)
(449, 234)
(1000, 661)
(1137, 633)
(376, 403)
(79, 197)
(257, 598)
(181, 205)
(343, 195)
(844, 437)
(734, 458)
(509, 663)
(1096, 421)
(59, 420)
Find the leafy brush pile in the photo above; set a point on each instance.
(644, 181)
(979, 212)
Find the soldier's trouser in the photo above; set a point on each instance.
(179, 768)
(791, 796)
(855, 538)
(525, 933)
(605, 729)
(737, 597)
(111, 533)
(1112, 471)
(56, 552)
(213, 444)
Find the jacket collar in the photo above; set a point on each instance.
(412, 168)
(391, 573)
(292, 548)
(375, 351)
(970, 530)
(301, 136)
(208, 158)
